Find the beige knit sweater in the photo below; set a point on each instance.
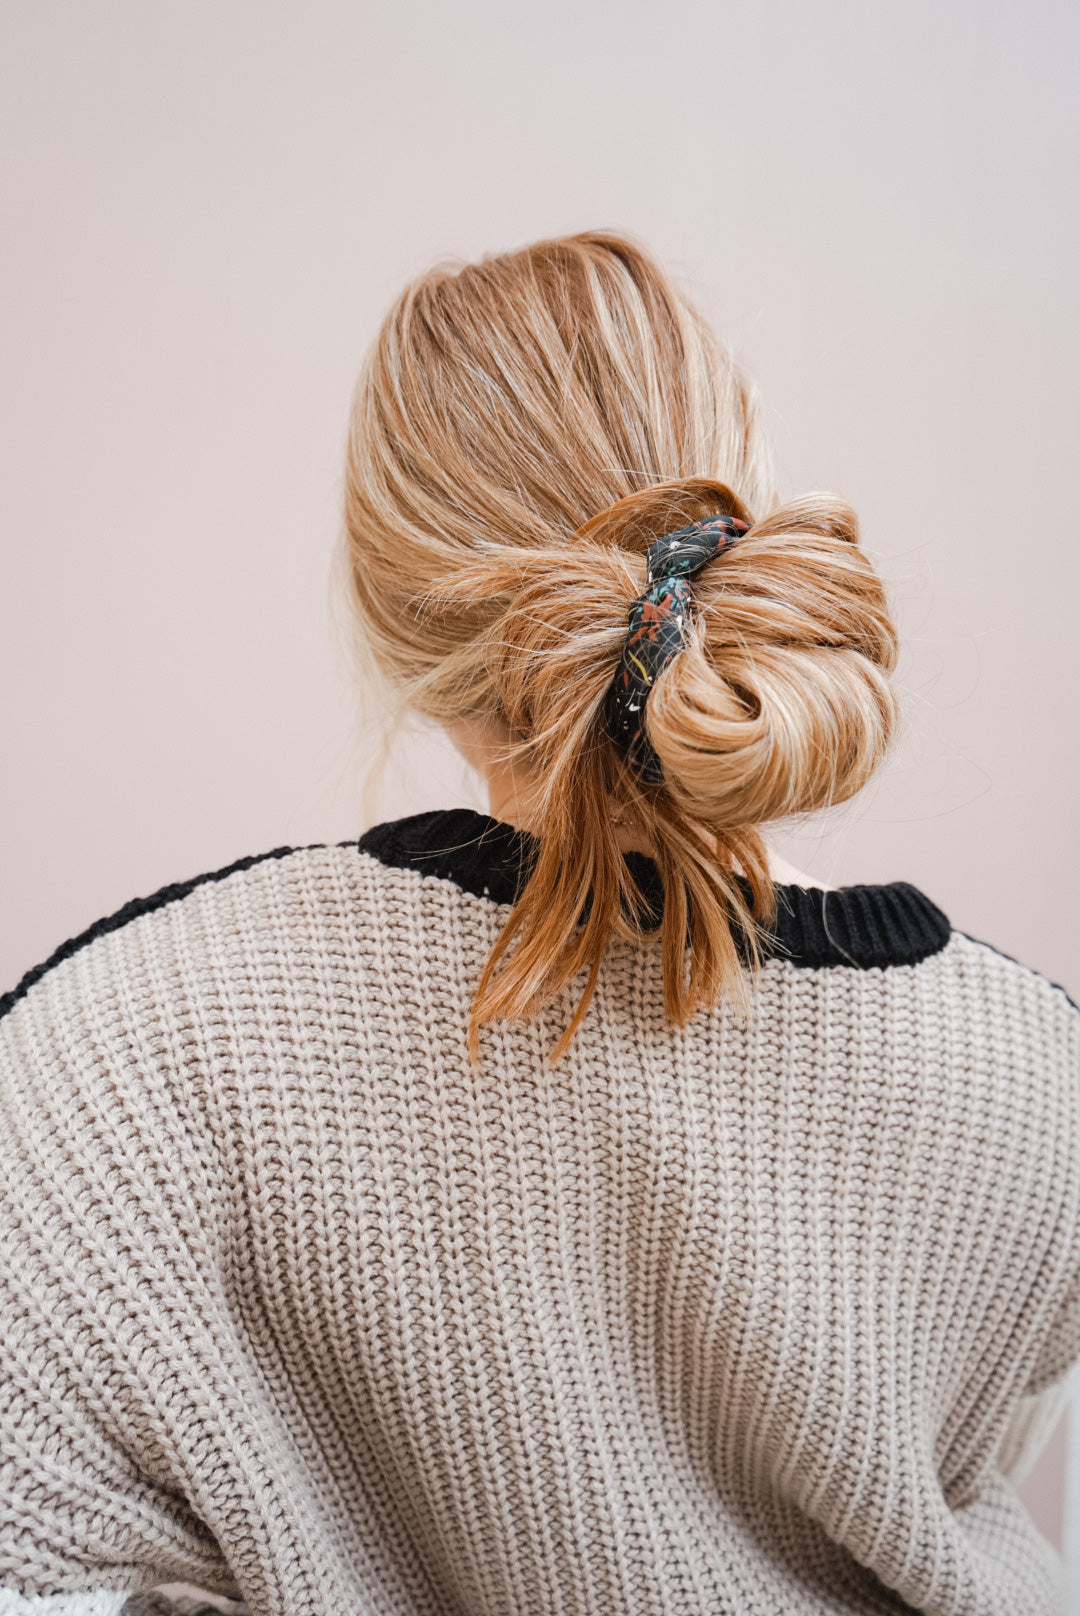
(297, 1306)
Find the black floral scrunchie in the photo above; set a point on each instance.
(655, 632)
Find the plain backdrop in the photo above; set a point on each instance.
(207, 207)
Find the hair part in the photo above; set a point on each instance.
(522, 430)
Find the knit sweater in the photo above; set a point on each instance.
(736, 1318)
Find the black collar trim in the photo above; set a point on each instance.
(859, 926)
(866, 927)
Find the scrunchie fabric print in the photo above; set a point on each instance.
(656, 629)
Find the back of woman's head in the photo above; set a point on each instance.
(523, 429)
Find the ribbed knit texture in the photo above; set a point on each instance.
(730, 1319)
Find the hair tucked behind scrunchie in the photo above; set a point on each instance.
(524, 428)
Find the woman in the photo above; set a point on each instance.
(571, 1209)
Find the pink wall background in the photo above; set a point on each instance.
(207, 207)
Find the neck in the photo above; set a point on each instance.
(511, 797)
(509, 802)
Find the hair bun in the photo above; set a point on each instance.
(638, 520)
(779, 702)
(518, 440)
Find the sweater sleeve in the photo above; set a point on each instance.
(105, 1261)
(105, 1602)
(159, 1602)
(1033, 1422)
(1060, 1351)
(1052, 1387)
(1054, 1378)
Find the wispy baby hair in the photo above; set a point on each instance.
(523, 429)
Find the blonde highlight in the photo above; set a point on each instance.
(522, 430)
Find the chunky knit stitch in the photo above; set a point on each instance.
(297, 1306)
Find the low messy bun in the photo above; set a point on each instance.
(524, 429)
(780, 701)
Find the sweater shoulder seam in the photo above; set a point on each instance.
(136, 908)
(1029, 970)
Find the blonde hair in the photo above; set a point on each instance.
(522, 430)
